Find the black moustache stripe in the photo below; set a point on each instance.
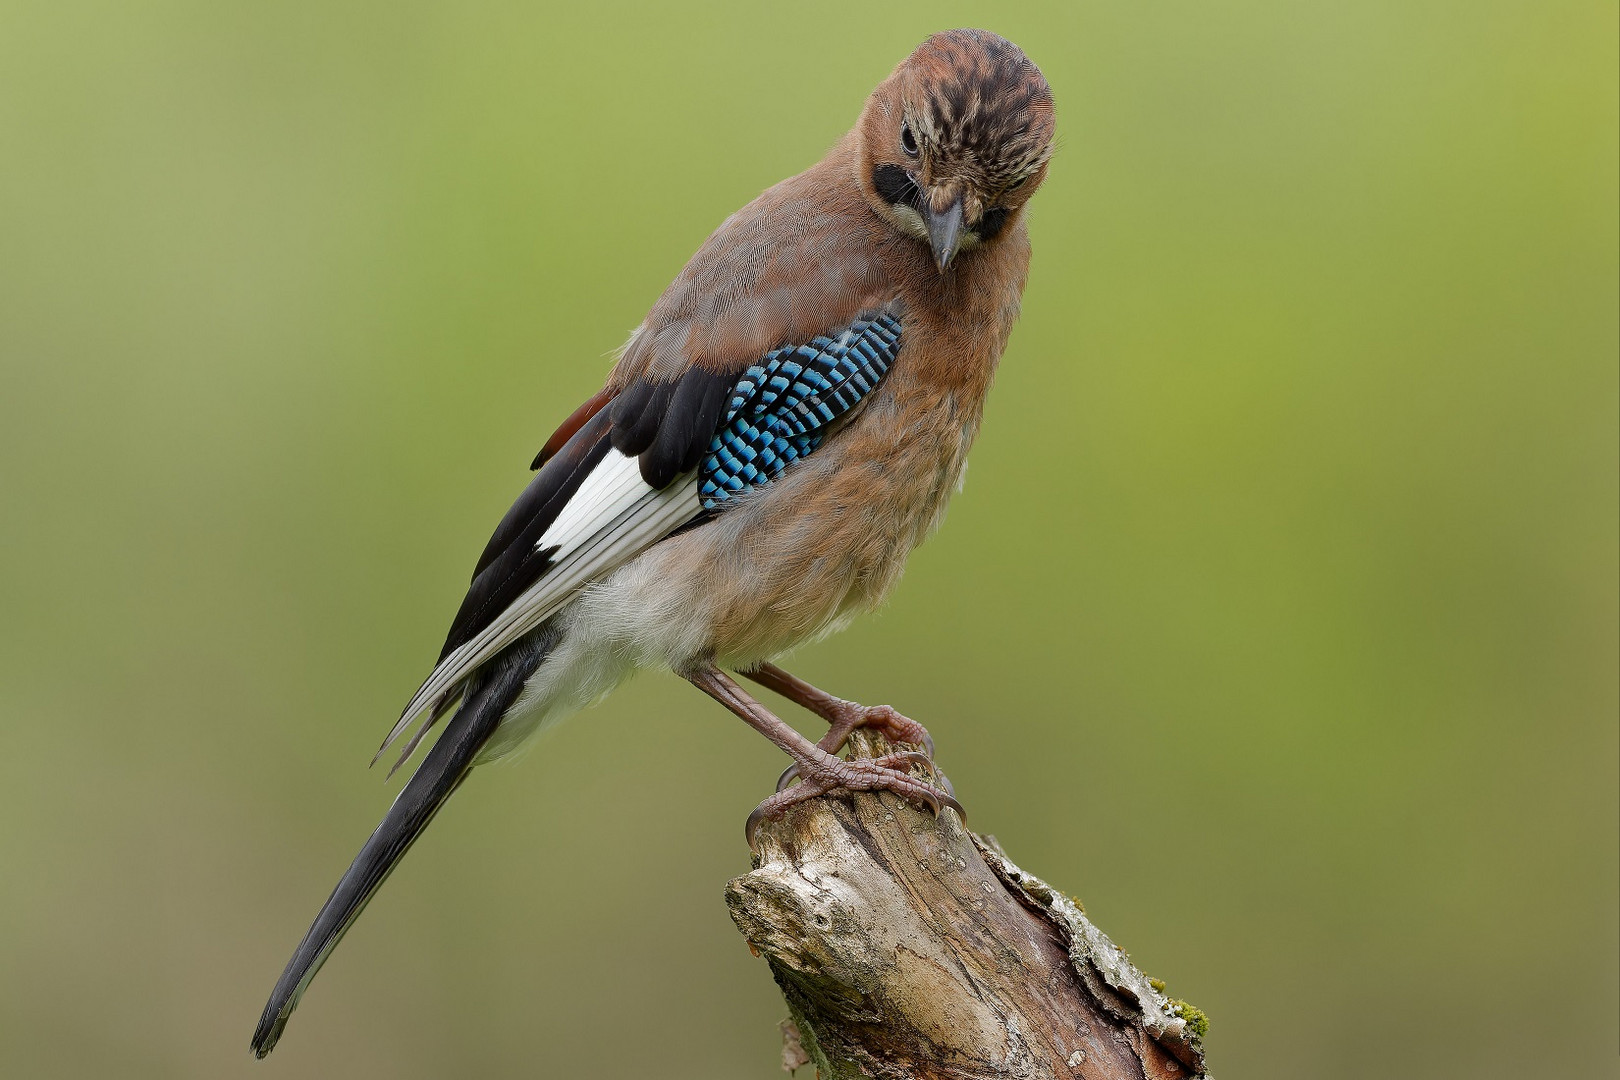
(895, 187)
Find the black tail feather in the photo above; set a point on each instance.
(493, 690)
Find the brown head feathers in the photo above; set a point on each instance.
(956, 140)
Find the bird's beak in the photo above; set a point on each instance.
(944, 231)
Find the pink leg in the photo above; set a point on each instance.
(842, 716)
(820, 770)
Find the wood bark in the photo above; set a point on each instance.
(907, 946)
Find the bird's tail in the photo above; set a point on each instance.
(489, 695)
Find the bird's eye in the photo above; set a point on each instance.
(908, 141)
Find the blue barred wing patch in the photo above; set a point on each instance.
(782, 406)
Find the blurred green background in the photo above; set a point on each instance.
(1277, 620)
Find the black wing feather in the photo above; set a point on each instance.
(510, 562)
(687, 426)
(637, 412)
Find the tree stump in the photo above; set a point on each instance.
(908, 947)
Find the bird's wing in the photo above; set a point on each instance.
(664, 452)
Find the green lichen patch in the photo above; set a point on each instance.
(1197, 1019)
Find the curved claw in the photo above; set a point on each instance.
(772, 808)
(906, 757)
(787, 777)
(756, 818)
(937, 800)
(939, 794)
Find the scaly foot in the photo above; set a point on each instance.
(849, 715)
(845, 716)
(888, 773)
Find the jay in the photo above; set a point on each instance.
(781, 431)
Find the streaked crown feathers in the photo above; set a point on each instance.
(974, 98)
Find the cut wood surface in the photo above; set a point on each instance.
(907, 946)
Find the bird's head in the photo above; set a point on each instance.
(956, 140)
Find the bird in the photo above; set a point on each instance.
(785, 426)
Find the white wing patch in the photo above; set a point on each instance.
(613, 487)
(612, 518)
